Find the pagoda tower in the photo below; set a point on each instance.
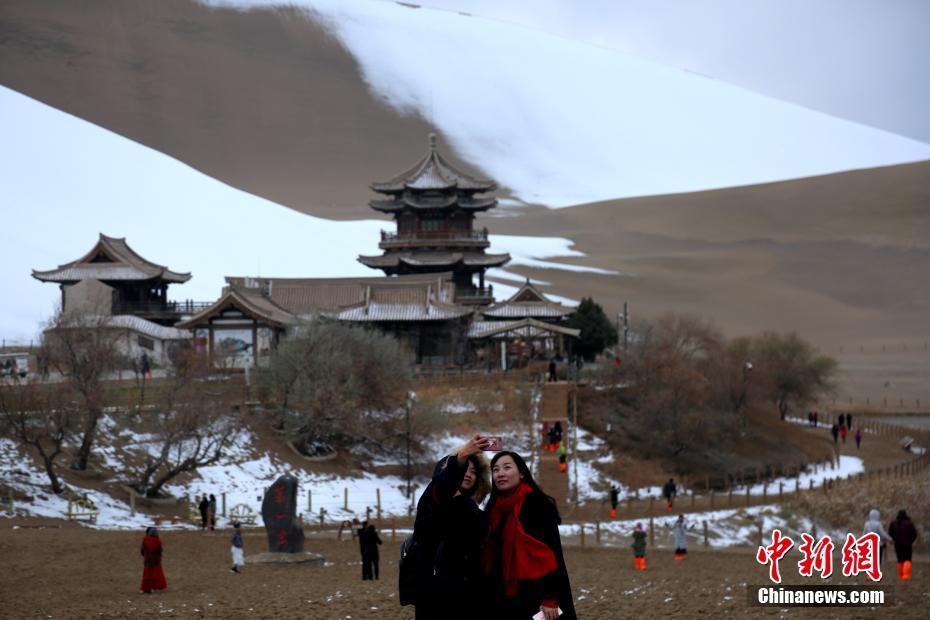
(434, 206)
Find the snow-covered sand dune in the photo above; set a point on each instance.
(563, 122)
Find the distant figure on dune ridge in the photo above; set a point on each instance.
(153, 577)
(639, 547)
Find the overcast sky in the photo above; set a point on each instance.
(863, 60)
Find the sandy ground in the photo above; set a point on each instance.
(74, 572)
(268, 102)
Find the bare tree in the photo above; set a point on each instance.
(794, 373)
(84, 349)
(40, 417)
(194, 423)
(338, 383)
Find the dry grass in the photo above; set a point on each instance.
(847, 505)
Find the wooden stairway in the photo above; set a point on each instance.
(554, 408)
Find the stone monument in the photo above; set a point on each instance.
(279, 512)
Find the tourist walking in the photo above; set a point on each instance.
(557, 429)
(841, 420)
(204, 507)
(614, 500)
(370, 554)
(815, 419)
(441, 569)
(903, 533)
(639, 547)
(552, 374)
(858, 437)
(835, 431)
(680, 530)
(523, 555)
(237, 549)
(153, 577)
(843, 432)
(668, 492)
(849, 421)
(873, 524)
(211, 510)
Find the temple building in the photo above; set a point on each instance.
(433, 296)
(434, 207)
(132, 285)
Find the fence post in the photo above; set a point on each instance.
(706, 543)
(597, 532)
(797, 485)
(309, 501)
(747, 495)
(581, 534)
(345, 499)
(780, 492)
(132, 503)
(692, 497)
(765, 492)
(393, 529)
(810, 486)
(223, 496)
(322, 515)
(730, 498)
(378, 497)
(69, 508)
(12, 509)
(652, 501)
(652, 532)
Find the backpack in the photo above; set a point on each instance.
(415, 569)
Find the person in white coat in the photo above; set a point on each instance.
(875, 525)
(680, 530)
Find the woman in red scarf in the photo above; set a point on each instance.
(153, 577)
(523, 555)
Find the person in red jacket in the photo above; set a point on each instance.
(153, 577)
(523, 554)
(903, 533)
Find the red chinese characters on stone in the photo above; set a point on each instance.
(279, 496)
(281, 537)
(771, 554)
(861, 555)
(817, 556)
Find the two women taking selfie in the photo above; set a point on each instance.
(508, 557)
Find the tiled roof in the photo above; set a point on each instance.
(435, 259)
(528, 302)
(433, 172)
(250, 302)
(418, 201)
(524, 328)
(147, 328)
(121, 263)
(376, 311)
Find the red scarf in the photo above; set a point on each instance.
(523, 557)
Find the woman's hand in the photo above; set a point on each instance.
(471, 447)
(550, 613)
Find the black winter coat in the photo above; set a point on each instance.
(540, 519)
(449, 531)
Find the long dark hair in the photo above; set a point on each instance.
(527, 478)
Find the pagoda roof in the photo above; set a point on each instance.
(110, 259)
(433, 172)
(435, 259)
(529, 301)
(422, 203)
(522, 328)
(384, 304)
(250, 302)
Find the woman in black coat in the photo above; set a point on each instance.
(523, 555)
(448, 534)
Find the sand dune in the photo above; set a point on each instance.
(271, 104)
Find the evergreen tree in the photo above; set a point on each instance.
(597, 332)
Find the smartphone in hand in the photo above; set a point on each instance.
(495, 444)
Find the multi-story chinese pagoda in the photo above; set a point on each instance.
(434, 206)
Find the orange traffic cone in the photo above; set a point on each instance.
(906, 571)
